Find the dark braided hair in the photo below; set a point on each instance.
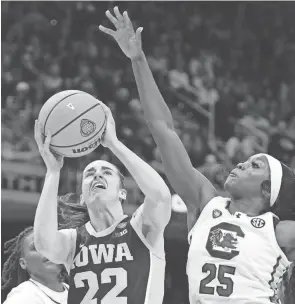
(289, 286)
(12, 273)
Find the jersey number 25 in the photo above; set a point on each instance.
(222, 243)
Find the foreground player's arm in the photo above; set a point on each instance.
(156, 210)
(53, 244)
(286, 238)
(189, 183)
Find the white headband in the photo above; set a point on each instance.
(276, 174)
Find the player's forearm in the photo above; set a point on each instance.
(45, 223)
(148, 180)
(154, 106)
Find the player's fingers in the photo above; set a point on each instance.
(106, 109)
(47, 142)
(107, 30)
(112, 18)
(58, 157)
(138, 34)
(118, 14)
(127, 19)
(38, 135)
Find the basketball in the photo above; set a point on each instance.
(76, 121)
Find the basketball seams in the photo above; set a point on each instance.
(55, 107)
(92, 107)
(83, 141)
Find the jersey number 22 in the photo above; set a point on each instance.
(112, 296)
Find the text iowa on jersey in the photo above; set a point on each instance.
(102, 253)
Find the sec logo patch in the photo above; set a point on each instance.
(257, 222)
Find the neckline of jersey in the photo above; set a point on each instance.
(42, 287)
(240, 212)
(90, 229)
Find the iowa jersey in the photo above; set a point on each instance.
(115, 267)
(233, 258)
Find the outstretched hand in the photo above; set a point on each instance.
(53, 161)
(128, 40)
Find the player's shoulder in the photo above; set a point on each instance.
(219, 202)
(25, 291)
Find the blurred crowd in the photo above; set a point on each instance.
(235, 61)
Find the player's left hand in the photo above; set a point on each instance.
(128, 40)
(109, 136)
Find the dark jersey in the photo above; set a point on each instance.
(115, 268)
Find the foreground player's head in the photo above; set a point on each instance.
(103, 181)
(25, 262)
(265, 179)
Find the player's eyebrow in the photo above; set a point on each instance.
(92, 169)
(107, 168)
(257, 159)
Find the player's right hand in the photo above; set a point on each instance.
(128, 40)
(53, 161)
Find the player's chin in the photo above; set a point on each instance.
(52, 266)
(230, 183)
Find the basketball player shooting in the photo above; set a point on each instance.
(111, 258)
(239, 249)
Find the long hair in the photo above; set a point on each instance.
(12, 273)
(71, 214)
(288, 296)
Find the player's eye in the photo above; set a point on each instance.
(107, 172)
(254, 165)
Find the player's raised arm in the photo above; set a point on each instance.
(53, 244)
(156, 210)
(190, 184)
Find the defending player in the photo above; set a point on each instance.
(238, 248)
(34, 279)
(112, 258)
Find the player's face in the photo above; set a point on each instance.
(35, 263)
(246, 179)
(100, 180)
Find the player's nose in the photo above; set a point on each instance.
(98, 176)
(240, 166)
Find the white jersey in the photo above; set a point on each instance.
(34, 292)
(234, 258)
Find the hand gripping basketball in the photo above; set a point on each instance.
(53, 161)
(128, 40)
(109, 136)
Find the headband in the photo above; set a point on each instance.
(276, 174)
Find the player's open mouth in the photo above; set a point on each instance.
(98, 185)
(232, 174)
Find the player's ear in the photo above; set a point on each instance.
(266, 189)
(123, 194)
(82, 202)
(23, 263)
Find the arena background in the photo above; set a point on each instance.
(226, 70)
